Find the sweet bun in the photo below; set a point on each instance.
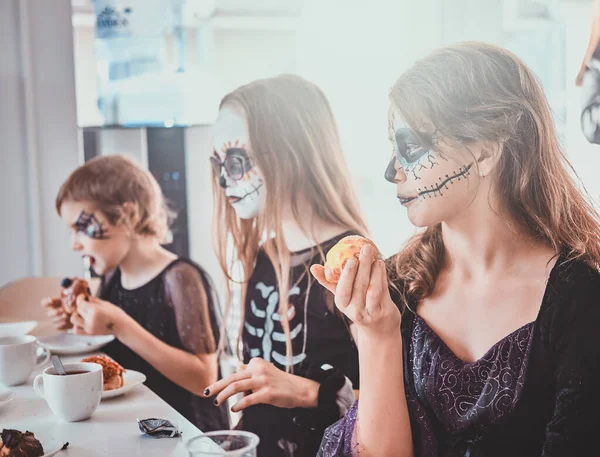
(112, 372)
(345, 249)
(71, 289)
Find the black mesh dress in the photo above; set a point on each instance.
(178, 307)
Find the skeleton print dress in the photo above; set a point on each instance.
(318, 337)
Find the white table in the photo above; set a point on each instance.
(111, 432)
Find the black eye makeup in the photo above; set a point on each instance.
(236, 163)
(88, 224)
(411, 146)
(414, 151)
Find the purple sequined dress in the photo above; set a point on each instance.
(451, 402)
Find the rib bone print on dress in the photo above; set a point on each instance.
(267, 310)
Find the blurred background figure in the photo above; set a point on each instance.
(592, 51)
(589, 79)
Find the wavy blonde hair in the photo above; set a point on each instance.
(475, 92)
(123, 191)
(297, 148)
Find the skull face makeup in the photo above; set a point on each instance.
(414, 151)
(425, 175)
(241, 180)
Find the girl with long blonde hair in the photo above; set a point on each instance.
(283, 197)
(488, 344)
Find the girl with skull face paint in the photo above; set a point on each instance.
(278, 170)
(487, 343)
(161, 308)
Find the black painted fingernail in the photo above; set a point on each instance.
(206, 392)
(215, 401)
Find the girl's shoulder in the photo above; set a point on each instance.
(573, 290)
(184, 270)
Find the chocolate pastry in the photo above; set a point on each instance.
(71, 289)
(14, 443)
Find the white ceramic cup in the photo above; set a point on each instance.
(73, 397)
(18, 358)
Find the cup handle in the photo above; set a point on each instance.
(46, 352)
(37, 382)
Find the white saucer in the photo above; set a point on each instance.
(54, 450)
(6, 396)
(17, 328)
(131, 379)
(51, 444)
(70, 344)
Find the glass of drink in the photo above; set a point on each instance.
(223, 443)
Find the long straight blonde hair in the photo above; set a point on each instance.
(297, 148)
(476, 92)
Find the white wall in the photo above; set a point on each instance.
(200, 201)
(38, 128)
(245, 55)
(14, 240)
(85, 75)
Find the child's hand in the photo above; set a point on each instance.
(264, 383)
(96, 317)
(362, 294)
(56, 312)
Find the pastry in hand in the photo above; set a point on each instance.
(112, 372)
(14, 443)
(345, 249)
(71, 289)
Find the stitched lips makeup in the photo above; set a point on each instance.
(437, 189)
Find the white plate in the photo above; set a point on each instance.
(51, 444)
(69, 343)
(6, 396)
(54, 449)
(131, 378)
(17, 328)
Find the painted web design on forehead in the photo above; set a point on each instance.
(89, 224)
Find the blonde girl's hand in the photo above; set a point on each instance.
(262, 382)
